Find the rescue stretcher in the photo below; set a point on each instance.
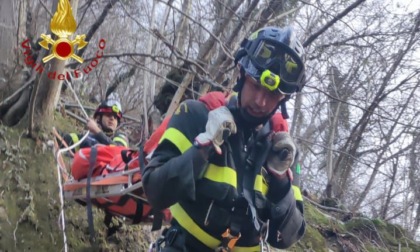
(105, 191)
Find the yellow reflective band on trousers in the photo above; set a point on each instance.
(120, 140)
(221, 174)
(75, 139)
(297, 193)
(191, 227)
(177, 138)
(260, 185)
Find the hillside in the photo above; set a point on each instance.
(30, 206)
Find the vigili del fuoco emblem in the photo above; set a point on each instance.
(63, 25)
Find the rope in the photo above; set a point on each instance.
(77, 98)
(60, 183)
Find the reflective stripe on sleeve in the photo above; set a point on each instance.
(247, 249)
(260, 185)
(75, 139)
(221, 174)
(120, 140)
(297, 193)
(177, 138)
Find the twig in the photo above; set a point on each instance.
(375, 229)
(222, 46)
(118, 55)
(46, 9)
(176, 84)
(332, 22)
(7, 217)
(178, 54)
(21, 218)
(20, 136)
(326, 208)
(358, 239)
(76, 117)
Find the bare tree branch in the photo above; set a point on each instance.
(332, 22)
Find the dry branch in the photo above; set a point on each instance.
(331, 23)
(25, 85)
(331, 209)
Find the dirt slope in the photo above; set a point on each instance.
(30, 206)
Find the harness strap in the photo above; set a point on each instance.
(173, 237)
(233, 233)
(157, 220)
(136, 217)
(228, 241)
(256, 157)
(126, 156)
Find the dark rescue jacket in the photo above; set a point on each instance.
(118, 139)
(201, 194)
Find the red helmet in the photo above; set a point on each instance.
(109, 106)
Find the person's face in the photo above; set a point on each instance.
(110, 121)
(257, 100)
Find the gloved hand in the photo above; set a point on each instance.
(92, 125)
(220, 125)
(282, 153)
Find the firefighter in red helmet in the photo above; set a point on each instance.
(102, 127)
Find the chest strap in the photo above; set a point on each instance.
(228, 241)
(233, 233)
(260, 146)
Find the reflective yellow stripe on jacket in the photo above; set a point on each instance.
(214, 173)
(188, 224)
(120, 140)
(297, 193)
(260, 185)
(177, 138)
(75, 139)
(221, 174)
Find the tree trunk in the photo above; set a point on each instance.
(414, 177)
(388, 198)
(344, 163)
(147, 79)
(47, 91)
(222, 61)
(179, 93)
(7, 31)
(387, 138)
(336, 83)
(12, 73)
